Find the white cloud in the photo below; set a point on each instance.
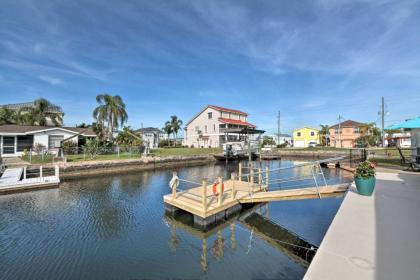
(51, 80)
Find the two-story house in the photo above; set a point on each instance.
(151, 136)
(345, 134)
(305, 136)
(210, 126)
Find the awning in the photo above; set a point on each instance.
(408, 124)
(237, 122)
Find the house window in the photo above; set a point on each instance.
(336, 131)
(299, 134)
(210, 114)
(312, 133)
(357, 130)
(8, 144)
(24, 142)
(197, 128)
(54, 141)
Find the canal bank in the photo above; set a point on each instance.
(373, 237)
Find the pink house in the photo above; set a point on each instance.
(346, 138)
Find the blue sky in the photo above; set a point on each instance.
(312, 60)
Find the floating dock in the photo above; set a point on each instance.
(15, 180)
(209, 203)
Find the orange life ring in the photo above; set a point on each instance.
(215, 188)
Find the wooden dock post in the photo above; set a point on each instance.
(267, 177)
(219, 191)
(240, 172)
(204, 198)
(57, 172)
(251, 175)
(24, 173)
(40, 172)
(174, 182)
(232, 178)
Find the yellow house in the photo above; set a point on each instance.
(305, 137)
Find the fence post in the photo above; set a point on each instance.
(40, 171)
(57, 172)
(267, 177)
(30, 155)
(240, 172)
(174, 184)
(232, 177)
(204, 199)
(24, 173)
(220, 196)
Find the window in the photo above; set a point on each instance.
(312, 133)
(54, 141)
(8, 144)
(210, 115)
(24, 142)
(357, 130)
(336, 131)
(197, 128)
(299, 134)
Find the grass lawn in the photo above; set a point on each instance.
(38, 159)
(81, 157)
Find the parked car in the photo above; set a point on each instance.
(312, 144)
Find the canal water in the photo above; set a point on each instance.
(115, 227)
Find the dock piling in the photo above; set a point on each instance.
(232, 177)
(24, 173)
(174, 184)
(204, 199)
(40, 172)
(260, 178)
(240, 172)
(267, 177)
(220, 191)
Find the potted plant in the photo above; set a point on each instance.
(364, 177)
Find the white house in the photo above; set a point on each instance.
(282, 138)
(151, 136)
(14, 139)
(213, 126)
(400, 139)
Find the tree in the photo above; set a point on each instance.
(111, 110)
(371, 135)
(39, 114)
(127, 138)
(92, 147)
(323, 134)
(168, 130)
(7, 116)
(267, 140)
(176, 125)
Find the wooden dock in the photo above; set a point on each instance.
(210, 203)
(12, 181)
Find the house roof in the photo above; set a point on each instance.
(306, 127)
(148, 129)
(29, 129)
(348, 123)
(408, 124)
(238, 122)
(218, 108)
(223, 109)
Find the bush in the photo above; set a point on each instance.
(284, 145)
(70, 147)
(92, 148)
(164, 143)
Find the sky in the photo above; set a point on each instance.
(310, 60)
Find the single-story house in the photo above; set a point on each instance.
(14, 139)
(412, 125)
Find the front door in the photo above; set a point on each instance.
(8, 145)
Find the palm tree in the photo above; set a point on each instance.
(40, 112)
(323, 133)
(168, 130)
(7, 116)
(371, 135)
(111, 110)
(176, 125)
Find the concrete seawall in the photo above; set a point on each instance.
(307, 154)
(78, 169)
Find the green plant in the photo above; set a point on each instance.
(91, 147)
(365, 170)
(70, 147)
(267, 140)
(127, 137)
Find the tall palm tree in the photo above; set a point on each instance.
(323, 133)
(40, 112)
(168, 130)
(111, 110)
(7, 116)
(176, 126)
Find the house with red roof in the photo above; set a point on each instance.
(210, 126)
(345, 134)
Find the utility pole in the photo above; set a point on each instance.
(383, 121)
(278, 128)
(339, 131)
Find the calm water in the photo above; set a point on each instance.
(114, 227)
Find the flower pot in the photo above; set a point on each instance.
(365, 186)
